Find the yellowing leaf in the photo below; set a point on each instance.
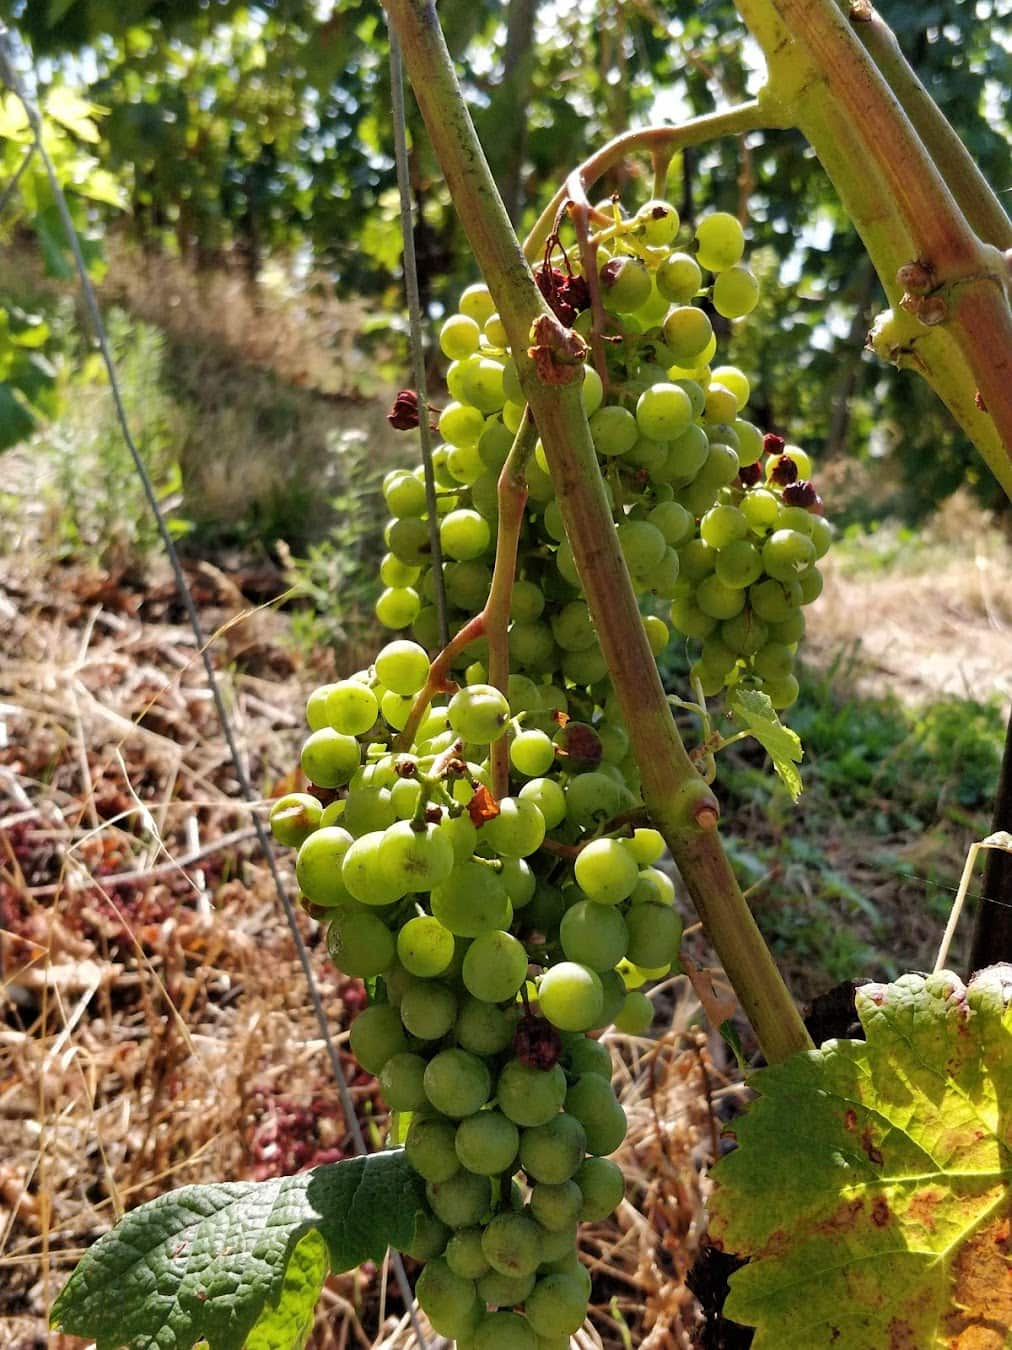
(73, 112)
(871, 1184)
(13, 120)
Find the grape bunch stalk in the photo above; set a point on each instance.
(485, 860)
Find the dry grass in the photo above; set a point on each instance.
(156, 1029)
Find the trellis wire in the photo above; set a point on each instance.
(10, 77)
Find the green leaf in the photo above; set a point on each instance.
(781, 743)
(287, 1326)
(214, 1262)
(871, 1184)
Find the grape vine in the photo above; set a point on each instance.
(486, 859)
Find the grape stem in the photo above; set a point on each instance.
(550, 373)
(512, 498)
(657, 141)
(492, 622)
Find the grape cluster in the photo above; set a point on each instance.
(717, 521)
(495, 956)
(500, 935)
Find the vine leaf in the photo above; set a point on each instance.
(782, 744)
(237, 1262)
(871, 1185)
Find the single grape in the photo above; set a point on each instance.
(594, 1104)
(483, 1028)
(679, 278)
(464, 534)
(504, 1331)
(594, 935)
(318, 866)
(464, 1254)
(360, 944)
(425, 947)
(530, 1096)
(556, 1206)
(502, 1291)
(462, 1200)
(532, 752)
(654, 934)
(457, 1083)
(552, 1152)
(430, 1148)
(415, 856)
(602, 1187)
(663, 412)
(471, 900)
(364, 875)
(556, 1306)
(625, 284)
(376, 1036)
(478, 713)
(495, 966)
(517, 831)
(614, 430)
(735, 293)
(295, 816)
(636, 1014)
(585, 1055)
(688, 332)
(398, 607)
(570, 996)
(606, 872)
(329, 758)
(402, 666)
(401, 1083)
(721, 241)
(487, 1142)
(512, 1245)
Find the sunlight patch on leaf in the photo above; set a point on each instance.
(782, 744)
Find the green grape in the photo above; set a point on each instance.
(360, 944)
(503, 1291)
(471, 900)
(585, 1055)
(790, 630)
(782, 693)
(646, 845)
(400, 1082)
(512, 1245)
(614, 430)
(673, 521)
(457, 1083)
(663, 412)
(415, 856)
(318, 866)
(518, 879)
(614, 742)
(654, 934)
(594, 1104)
(532, 753)
(585, 668)
(679, 278)
(786, 553)
(552, 1152)
(532, 645)
(464, 534)
(593, 935)
(329, 758)
(735, 293)
(602, 1187)
(430, 1148)
(658, 221)
(643, 546)
(653, 885)
(396, 709)
(613, 993)
(775, 601)
(722, 525)
(750, 441)
(721, 241)
(606, 872)
(573, 628)
(428, 1010)
(822, 536)
(487, 1142)
(556, 1244)
(368, 809)
(483, 1028)
(476, 302)
(495, 966)
(479, 713)
(696, 560)
(462, 835)
(591, 391)
(570, 996)
(517, 831)
(686, 455)
(408, 540)
(496, 440)
(556, 1306)
(425, 947)
(459, 337)
(462, 1200)
(464, 1253)
(688, 332)
(719, 600)
(467, 584)
(364, 875)
(530, 1096)
(739, 564)
(398, 607)
(591, 799)
(635, 1015)
(625, 284)
(376, 1036)
(461, 425)
(296, 815)
(556, 1206)
(504, 1331)
(810, 582)
(429, 1237)
(483, 385)
(774, 661)
(795, 518)
(449, 1301)
(316, 707)
(546, 909)
(528, 601)
(690, 620)
(402, 666)
(760, 508)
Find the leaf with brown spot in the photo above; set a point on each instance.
(872, 1185)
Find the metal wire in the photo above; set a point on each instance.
(415, 323)
(9, 75)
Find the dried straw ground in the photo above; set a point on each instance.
(155, 1026)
